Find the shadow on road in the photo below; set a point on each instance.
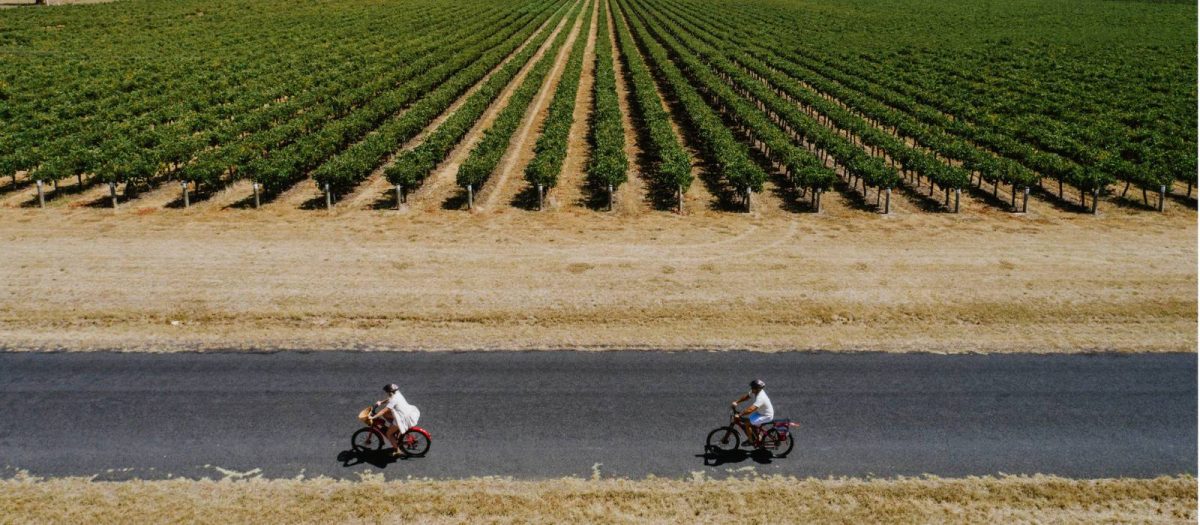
(376, 458)
(714, 457)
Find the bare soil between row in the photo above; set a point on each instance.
(146, 280)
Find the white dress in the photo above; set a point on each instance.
(405, 415)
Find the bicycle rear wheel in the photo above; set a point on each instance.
(414, 443)
(367, 439)
(778, 443)
(723, 439)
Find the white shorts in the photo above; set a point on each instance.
(757, 419)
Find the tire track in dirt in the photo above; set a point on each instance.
(571, 181)
(240, 190)
(440, 189)
(302, 192)
(20, 197)
(23, 193)
(520, 147)
(376, 189)
(159, 197)
(93, 195)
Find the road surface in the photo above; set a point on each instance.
(629, 414)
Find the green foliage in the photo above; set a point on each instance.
(412, 166)
(672, 167)
(730, 155)
(551, 147)
(293, 96)
(486, 154)
(608, 164)
(1055, 101)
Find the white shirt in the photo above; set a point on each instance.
(764, 404)
(402, 410)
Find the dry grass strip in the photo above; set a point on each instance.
(1005, 499)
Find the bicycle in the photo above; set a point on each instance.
(414, 442)
(774, 437)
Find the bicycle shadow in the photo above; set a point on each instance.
(715, 457)
(376, 458)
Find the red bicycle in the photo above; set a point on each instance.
(414, 442)
(774, 437)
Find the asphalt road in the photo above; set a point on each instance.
(536, 415)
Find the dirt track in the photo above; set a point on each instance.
(845, 279)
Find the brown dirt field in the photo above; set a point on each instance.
(234, 193)
(166, 280)
(440, 187)
(572, 179)
(159, 196)
(1006, 499)
(301, 193)
(498, 192)
(95, 193)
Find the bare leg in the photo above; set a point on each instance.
(390, 428)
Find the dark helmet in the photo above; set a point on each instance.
(757, 383)
(391, 388)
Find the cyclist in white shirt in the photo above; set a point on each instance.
(402, 415)
(760, 411)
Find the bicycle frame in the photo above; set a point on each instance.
(739, 423)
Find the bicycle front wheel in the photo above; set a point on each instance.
(724, 439)
(367, 439)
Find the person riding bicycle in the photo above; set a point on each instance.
(760, 411)
(402, 415)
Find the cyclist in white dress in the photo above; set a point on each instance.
(402, 415)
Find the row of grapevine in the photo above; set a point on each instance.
(87, 85)
(284, 167)
(1033, 162)
(1083, 135)
(803, 168)
(851, 153)
(353, 164)
(486, 154)
(157, 124)
(1138, 147)
(247, 153)
(792, 80)
(551, 148)
(607, 165)
(921, 159)
(670, 166)
(1051, 152)
(139, 148)
(411, 167)
(730, 157)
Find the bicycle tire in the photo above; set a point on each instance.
(723, 439)
(783, 445)
(367, 439)
(415, 443)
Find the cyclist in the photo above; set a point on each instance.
(401, 414)
(760, 411)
